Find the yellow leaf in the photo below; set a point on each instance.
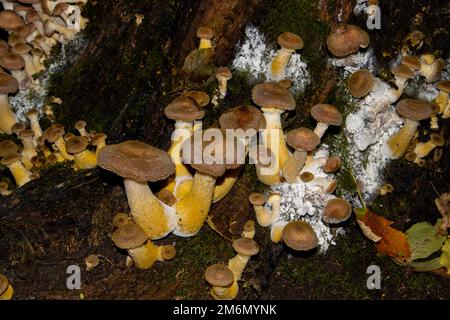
(445, 258)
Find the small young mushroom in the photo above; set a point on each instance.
(205, 34)
(249, 229)
(54, 134)
(92, 261)
(325, 115)
(8, 147)
(121, 219)
(20, 173)
(29, 152)
(245, 248)
(81, 128)
(33, 116)
(422, 149)
(307, 176)
(8, 85)
(98, 140)
(387, 188)
(336, 211)
(83, 157)
(289, 42)
(413, 111)
(274, 99)
(411, 62)
(431, 68)
(137, 163)
(300, 236)
(360, 83)
(267, 212)
(223, 74)
(221, 278)
(51, 27)
(4, 189)
(346, 39)
(332, 165)
(6, 289)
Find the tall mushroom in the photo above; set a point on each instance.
(54, 134)
(223, 74)
(7, 118)
(29, 151)
(325, 115)
(274, 99)
(205, 34)
(33, 116)
(413, 111)
(245, 248)
(138, 162)
(289, 42)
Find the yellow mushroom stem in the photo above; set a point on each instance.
(100, 147)
(237, 265)
(442, 100)
(8, 294)
(434, 124)
(320, 129)
(7, 117)
(446, 113)
(269, 213)
(279, 63)
(249, 230)
(276, 231)
(156, 219)
(61, 146)
(35, 126)
(28, 152)
(205, 43)
(193, 209)
(85, 160)
(225, 184)
(225, 293)
(398, 143)
(146, 255)
(273, 135)
(19, 172)
(223, 83)
(422, 149)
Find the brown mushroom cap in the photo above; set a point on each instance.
(336, 210)
(273, 95)
(411, 62)
(3, 187)
(10, 158)
(77, 144)
(98, 138)
(32, 113)
(184, 109)
(167, 197)
(290, 41)
(136, 160)
(80, 125)
(121, 219)
(437, 139)
(8, 84)
(307, 176)
(8, 147)
(92, 260)
(346, 39)
(12, 61)
(4, 283)
(205, 32)
(210, 162)
(219, 275)
(444, 86)
(53, 133)
(246, 246)
(414, 109)
(200, 97)
(257, 199)
(402, 71)
(68, 136)
(168, 252)
(26, 133)
(285, 83)
(360, 83)
(60, 8)
(410, 156)
(224, 72)
(17, 127)
(332, 164)
(4, 47)
(303, 139)
(9, 20)
(24, 31)
(129, 236)
(300, 236)
(242, 117)
(21, 48)
(326, 113)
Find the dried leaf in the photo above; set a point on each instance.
(424, 240)
(445, 258)
(429, 265)
(393, 242)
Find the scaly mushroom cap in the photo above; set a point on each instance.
(53, 133)
(129, 236)
(77, 144)
(184, 109)
(219, 275)
(200, 97)
(223, 72)
(411, 62)
(332, 164)
(4, 283)
(8, 147)
(302, 139)
(246, 246)
(290, 41)
(8, 84)
(437, 139)
(242, 117)
(326, 113)
(300, 236)
(273, 95)
(414, 109)
(205, 32)
(444, 86)
(9, 20)
(210, 162)
(10, 158)
(336, 210)
(402, 71)
(346, 39)
(257, 199)
(12, 61)
(136, 160)
(360, 83)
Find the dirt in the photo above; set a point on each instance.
(120, 84)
